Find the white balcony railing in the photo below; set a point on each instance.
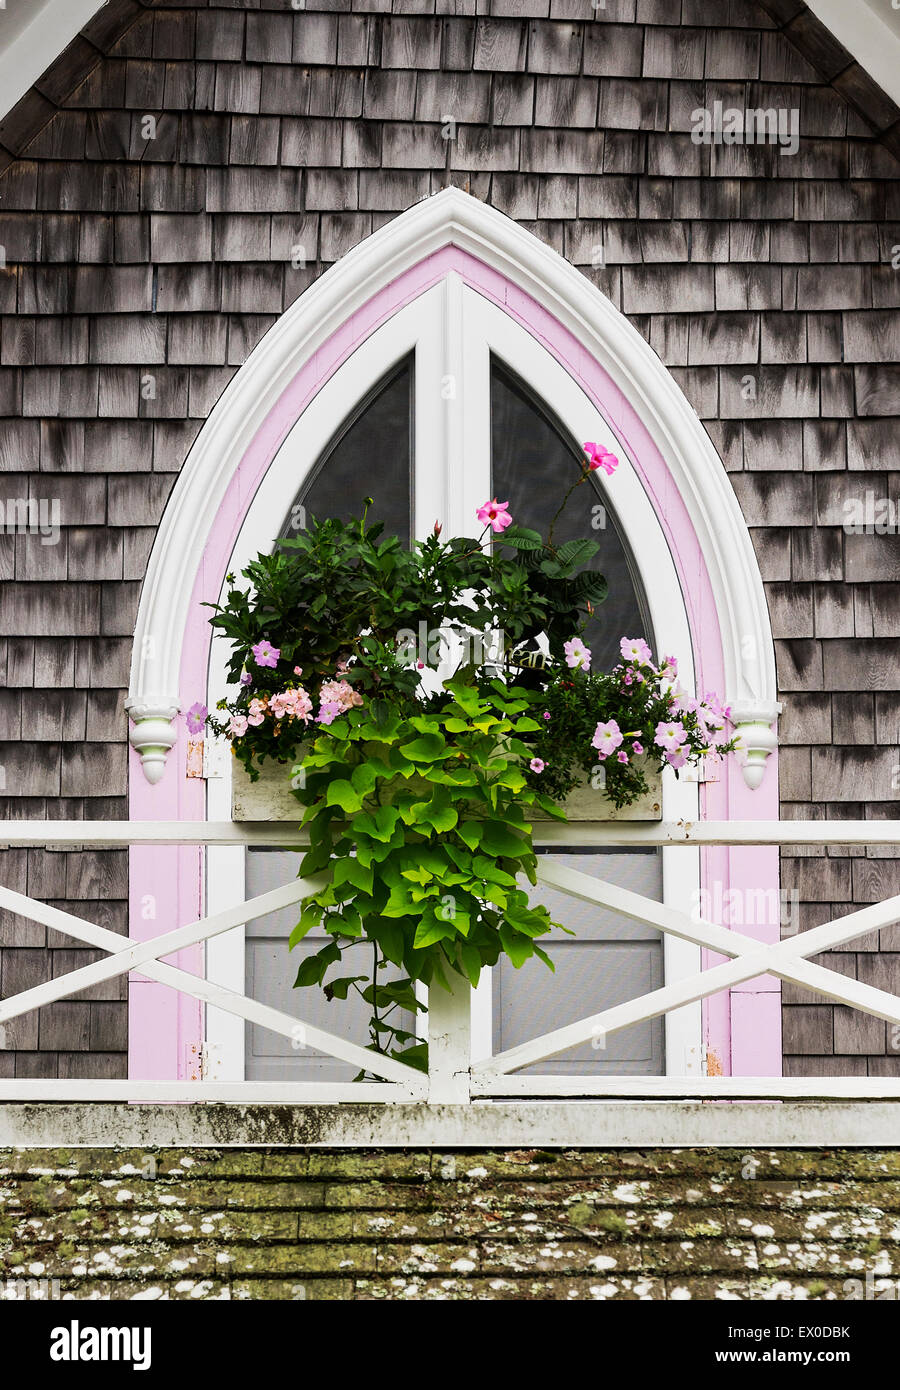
(453, 1078)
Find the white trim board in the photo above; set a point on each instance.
(33, 34)
(870, 30)
(873, 1122)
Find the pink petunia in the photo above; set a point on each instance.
(537, 764)
(721, 711)
(599, 457)
(607, 738)
(669, 736)
(577, 654)
(264, 654)
(669, 668)
(196, 718)
(546, 714)
(635, 649)
(637, 747)
(622, 756)
(677, 757)
(495, 515)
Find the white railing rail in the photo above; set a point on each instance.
(452, 1077)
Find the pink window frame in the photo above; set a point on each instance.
(741, 1027)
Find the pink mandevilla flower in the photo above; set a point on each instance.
(495, 515)
(577, 654)
(635, 649)
(598, 457)
(669, 736)
(537, 764)
(607, 738)
(264, 654)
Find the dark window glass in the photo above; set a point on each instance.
(370, 456)
(533, 464)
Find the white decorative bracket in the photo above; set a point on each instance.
(753, 721)
(153, 732)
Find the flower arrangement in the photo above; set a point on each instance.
(614, 726)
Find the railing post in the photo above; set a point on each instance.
(449, 1041)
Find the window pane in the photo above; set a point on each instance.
(608, 961)
(370, 456)
(533, 463)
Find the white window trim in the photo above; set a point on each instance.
(452, 217)
(453, 330)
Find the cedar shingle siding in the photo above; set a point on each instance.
(140, 272)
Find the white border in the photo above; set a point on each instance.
(453, 330)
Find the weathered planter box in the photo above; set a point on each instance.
(271, 799)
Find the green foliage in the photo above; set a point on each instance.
(421, 827)
(341, 599)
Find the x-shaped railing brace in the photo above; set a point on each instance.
(146, 956)
(786, 959)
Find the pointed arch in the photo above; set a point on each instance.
(322, 327)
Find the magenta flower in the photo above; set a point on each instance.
(577, 654)
(537, 764)
(495, 515)
(622, 756)
(196, 718)
(598, 457)
(669, 736)
(546, 714)
(246, 679)
(635, 649)
(607, 738)
(637, 747)
(264, 654)
(669, 668)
